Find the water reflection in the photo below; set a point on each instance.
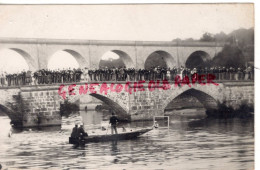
(190, 143)
(114, 149)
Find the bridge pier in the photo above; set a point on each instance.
(44, 107)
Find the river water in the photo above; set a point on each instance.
(190, 142)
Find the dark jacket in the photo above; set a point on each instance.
(74, 133)
(113, 120)
(81, 131)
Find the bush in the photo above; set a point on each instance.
(102, 107)
(18, 109)
(68, 108)
(245, 110)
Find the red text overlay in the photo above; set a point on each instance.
(131, 87)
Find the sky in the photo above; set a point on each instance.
(123, 22)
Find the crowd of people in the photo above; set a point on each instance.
(46, 76)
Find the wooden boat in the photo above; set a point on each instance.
(110, 137)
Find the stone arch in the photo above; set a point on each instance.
(205, 99)
(105, 99)
(117, 101)
(27, 57)
(198, 59)
(115, 106)
(169, 61)
(79, 58)
(124, 56)
(6, 110)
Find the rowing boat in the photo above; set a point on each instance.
(110, 137)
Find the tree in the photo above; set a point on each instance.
(207, 37)
(230, 56)
(221, 37)
(18, 109)
(189, 39)
(176, 40)
(68, 108)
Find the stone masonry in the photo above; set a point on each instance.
(45, 100)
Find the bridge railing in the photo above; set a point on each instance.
(219, 77)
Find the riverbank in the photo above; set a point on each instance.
(223, 111)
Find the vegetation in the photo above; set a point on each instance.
(230, 56)
(207, 37)
(244, 111)
(103, 107)
(68, 108)
(238, 50)
(111, 63)
(155, 59)
(18, 109)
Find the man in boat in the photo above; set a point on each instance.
(113, 121)
(81, 132)
(74, 133)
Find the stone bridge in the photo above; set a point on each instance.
(137, 101)
(88, 53)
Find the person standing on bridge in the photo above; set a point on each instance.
(113, 121)
(85, 73)
(2, 78)
(28, 78)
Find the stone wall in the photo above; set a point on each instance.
(237, 93)
(44, 101)
(146, 104)
(44, 107)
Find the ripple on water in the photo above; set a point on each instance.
(188, 144)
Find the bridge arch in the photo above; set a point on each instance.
(4, 109)
(117, 101)
(7, 111)
(114, 105)
(205, 99)
(159, 58)
(126, 59)
(198, 59)
(74, 55)
(31, 63)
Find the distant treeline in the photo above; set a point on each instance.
(242, 36)
(238, 51)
